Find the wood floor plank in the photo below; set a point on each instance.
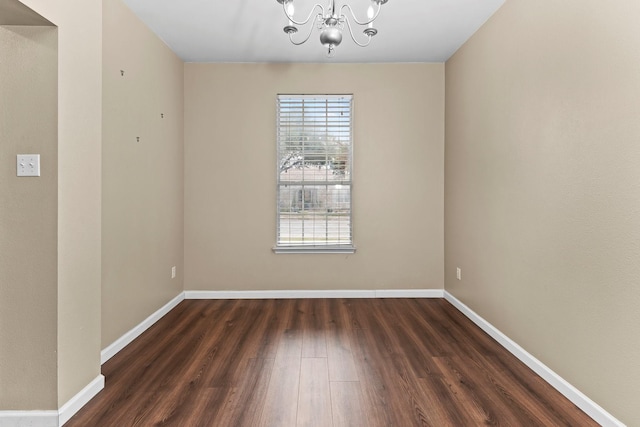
(436, 335)
(510, 380)
(281, 402)
(200, 411)
(138, 388)
(339, 355)
(381, 382)
(333, 362)
(405, 334)
(346, 405)
(314, 396)
(244, 405)
(203, 412)
(443, 405)
(353, 308)
(274, 322)
(207, 363)
(476, 393)
(237, 337)
(421, 404)
(315, 325)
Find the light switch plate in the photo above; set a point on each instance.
(28, 164)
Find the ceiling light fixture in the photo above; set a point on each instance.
(331, 22)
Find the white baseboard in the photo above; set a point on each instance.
(289, 294)
(53, 418)
(134, 333)
(76, 403)
(570, 392)
(28, 418)
(410, 293)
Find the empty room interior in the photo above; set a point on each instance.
(494, 179)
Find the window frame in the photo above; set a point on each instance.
(316, 247)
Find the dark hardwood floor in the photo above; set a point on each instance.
(321, 362)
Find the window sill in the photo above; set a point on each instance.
(314, 249)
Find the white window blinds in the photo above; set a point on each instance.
(315, 157)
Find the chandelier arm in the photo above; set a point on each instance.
(290, 18)
(353, 37)
(353, 15)
(303, 41)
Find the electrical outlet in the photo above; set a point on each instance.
(173, 272)
(458, 273)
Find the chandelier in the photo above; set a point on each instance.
(331, 22)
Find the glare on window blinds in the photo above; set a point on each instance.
(314, 135)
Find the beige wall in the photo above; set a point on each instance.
(542, 188)
(28, 218)
(230, 192)
(79, 135)
(142, 201)
(75, 302)
(68, 319)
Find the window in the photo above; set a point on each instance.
(314, 143)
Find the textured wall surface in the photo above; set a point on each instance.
(542, 193)
(230, 191)
(142, 203)
(28, 218)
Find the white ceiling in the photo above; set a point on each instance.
(251, 30)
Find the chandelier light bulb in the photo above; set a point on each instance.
(290, 10)
(370, 15)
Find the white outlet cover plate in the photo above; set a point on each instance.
(28, 164)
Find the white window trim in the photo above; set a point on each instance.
(339, 249)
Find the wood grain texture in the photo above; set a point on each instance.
(314, 395)
(346, 404)
(337, 362)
